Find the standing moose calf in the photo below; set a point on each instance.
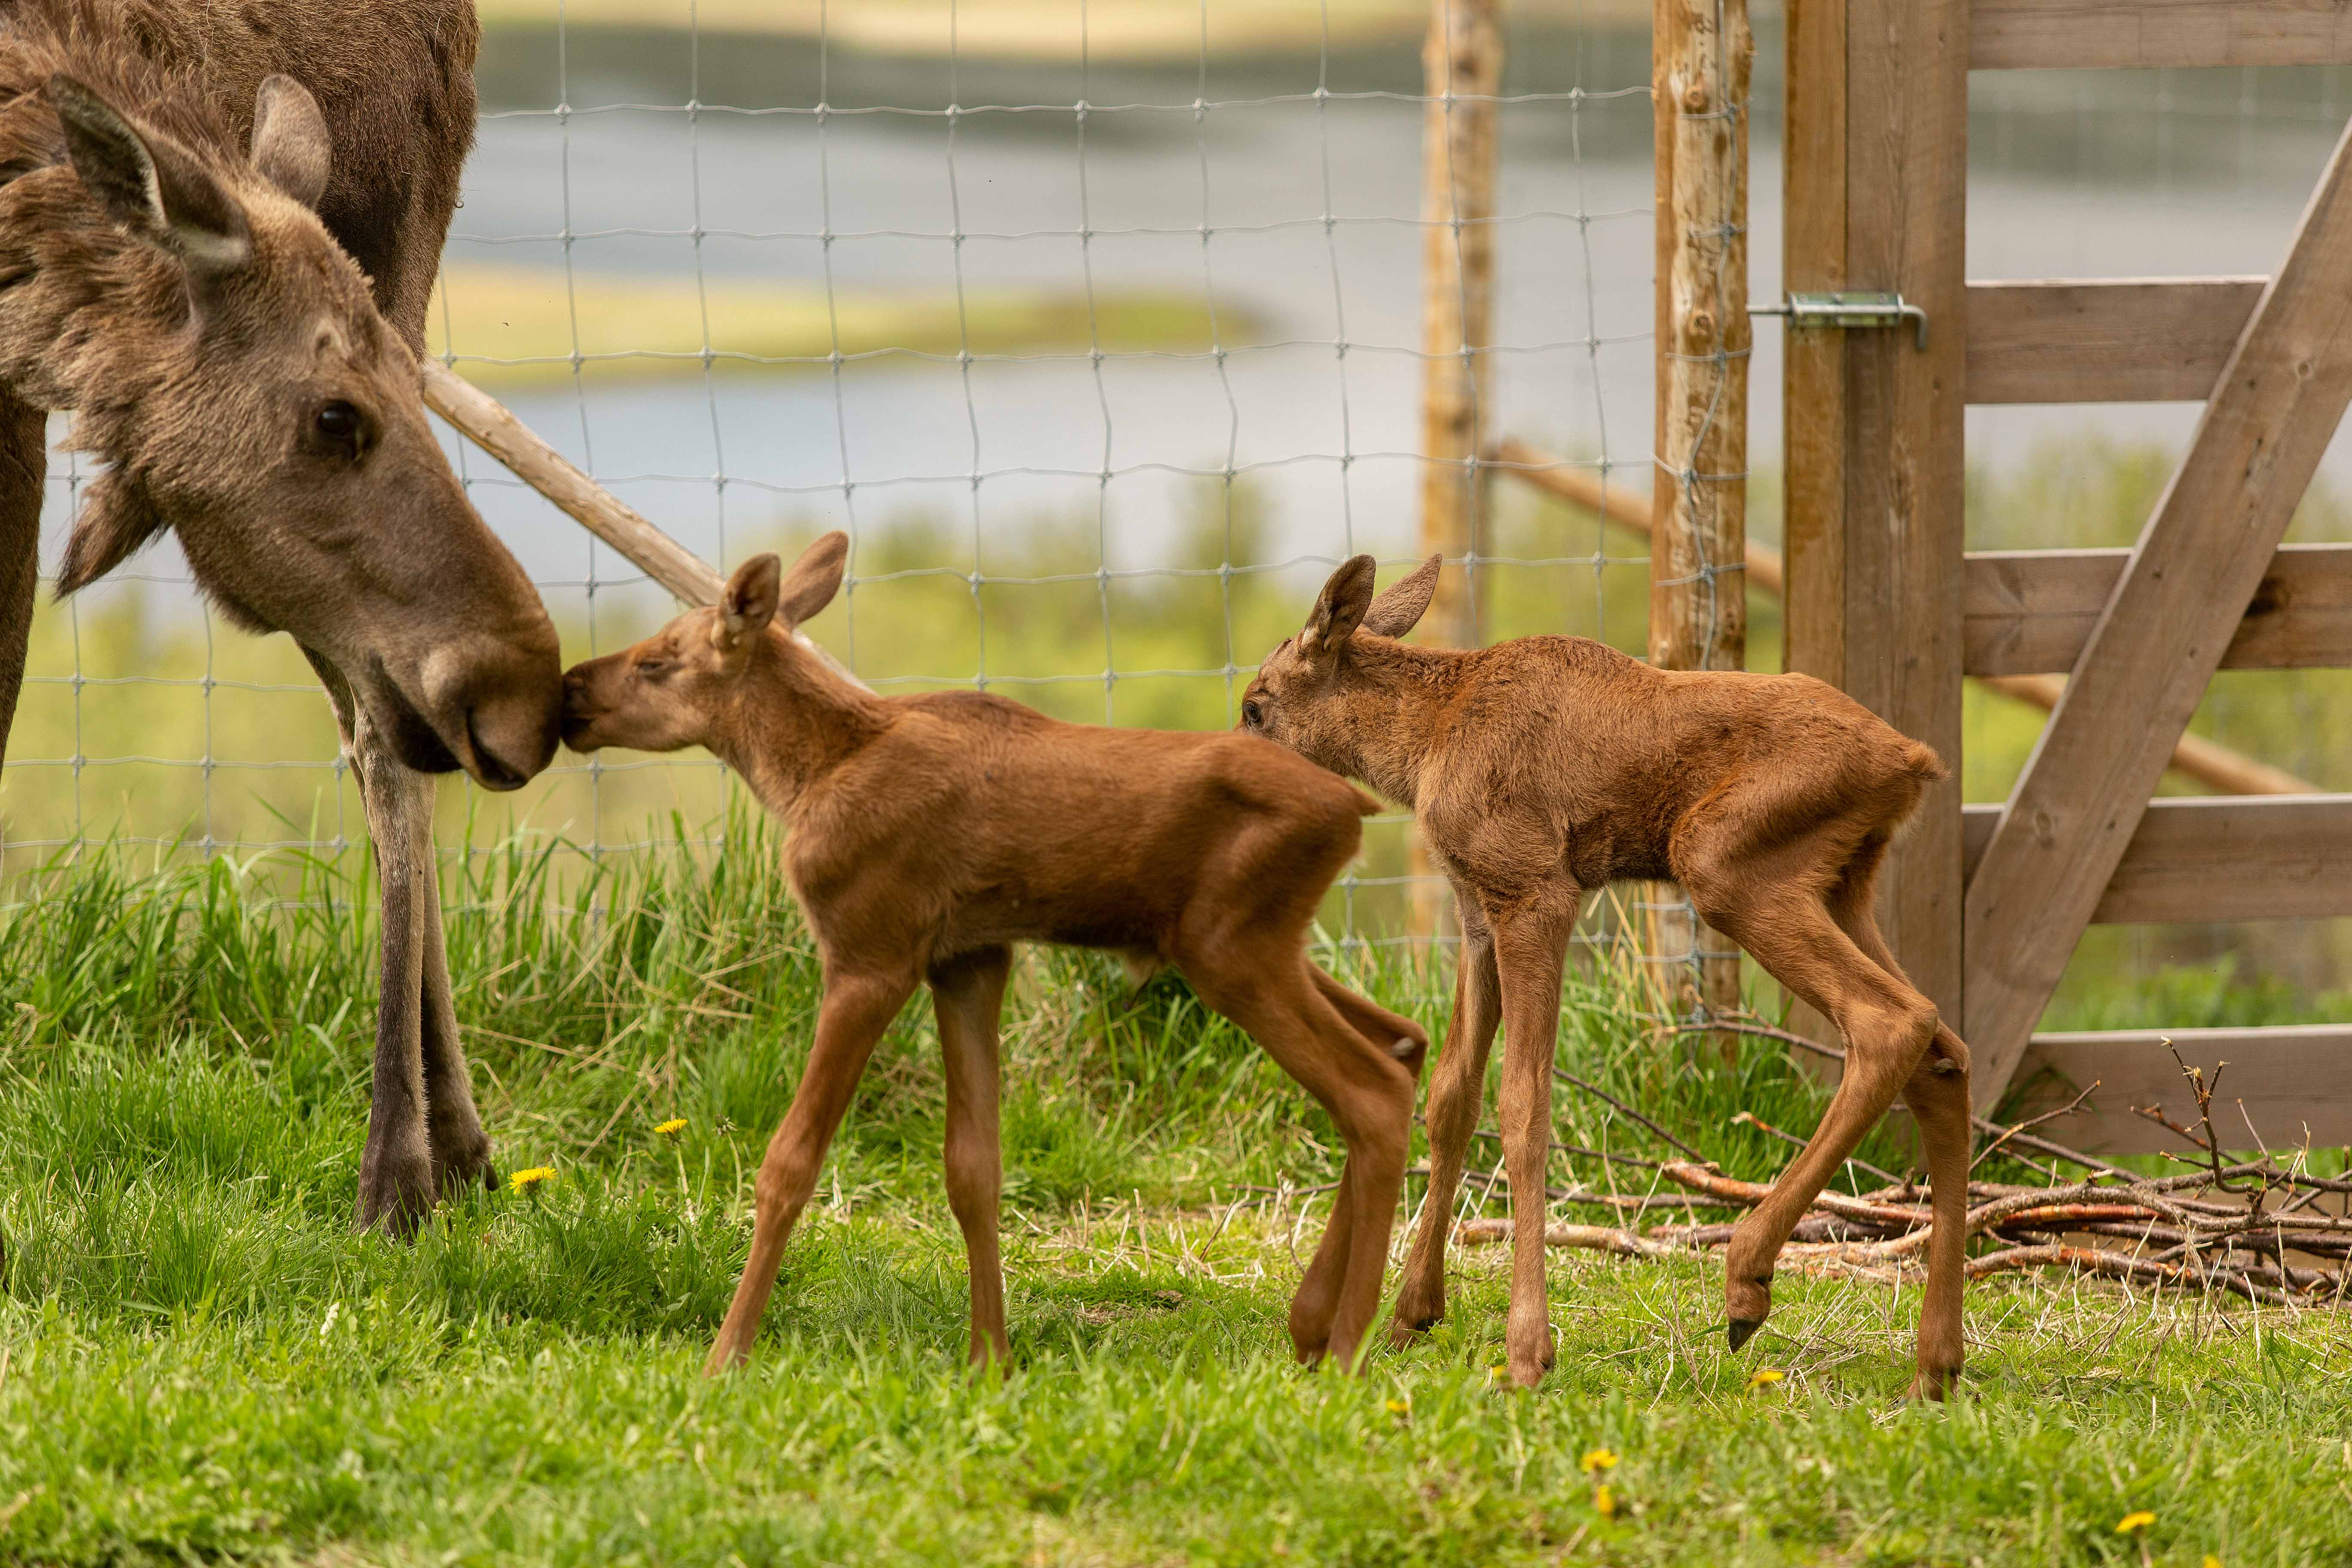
(1546, 765)
(929, 834)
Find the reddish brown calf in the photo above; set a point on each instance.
(1545, 766)
(929, 834)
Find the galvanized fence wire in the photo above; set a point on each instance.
(858, 493)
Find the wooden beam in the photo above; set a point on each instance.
(1698, 591)
(2195, 759)
(1813, 257)
(2216, 858)
(2274, 1080)
(2125, 340)
(1876, 472)
(2154, 649)
(2029, 612)
(1462, 70)
(489, 425)
(2041, 34)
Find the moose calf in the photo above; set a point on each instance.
(1543, 766)
(928, 834)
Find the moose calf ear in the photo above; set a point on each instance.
(748, 602)
(1340, 607)
(152, 186)
(289, 140)
(815, 578)
(114, 522)
(1400, 608)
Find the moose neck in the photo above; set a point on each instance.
(792, 722)
(1390, 714)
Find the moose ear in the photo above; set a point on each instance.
(748, 602)
(290, 139)
(152, 186)
(1340, 607)
(815, 577)
(1401, 606)
(115, 520)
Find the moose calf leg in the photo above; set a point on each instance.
(1886, 1026)
(1368, 1095)
(966, 995)
(1390, 1033)
(855, 1010)
(1530, 952)
(1938, 1095)
(1457, 1089)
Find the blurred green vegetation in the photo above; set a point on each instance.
(1044, 617)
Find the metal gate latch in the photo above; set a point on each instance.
(1847, 308)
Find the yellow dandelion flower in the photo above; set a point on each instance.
(1498, 1372)
(1399, 1406)
(672, 1128)
(1597, 1460)
(2211, 1562)
(1764, 1374)
(2138, 1519)
(523, 1181)
(1604, 1502)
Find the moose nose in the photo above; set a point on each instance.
(513, 736)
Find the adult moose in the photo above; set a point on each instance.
(217, 318)
(1546, 765)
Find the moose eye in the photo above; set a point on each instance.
(653, 668)
(338, 427)
(1253, 713)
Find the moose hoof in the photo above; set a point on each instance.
(1743, 1330)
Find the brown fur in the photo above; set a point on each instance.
(226, 351)
(1545, 766)
(929, 834)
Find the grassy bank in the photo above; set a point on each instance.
(197, 1358)
(514, 325)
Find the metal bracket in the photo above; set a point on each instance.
(1848, 307)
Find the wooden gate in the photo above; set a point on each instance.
(1985, 905)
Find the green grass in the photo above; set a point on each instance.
(198, 1360)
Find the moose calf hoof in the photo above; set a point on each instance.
(1743, 1330)
(1935, 1386)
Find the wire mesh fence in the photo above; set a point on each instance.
(1098, 327)
(1102, 363)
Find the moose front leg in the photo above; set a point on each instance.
(453, 1127)
(398, 1182)
(398, 1179)
(22, 464)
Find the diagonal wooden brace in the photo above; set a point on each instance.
(2156, 647)
(488, 423)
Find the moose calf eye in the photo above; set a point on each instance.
(1252, 714)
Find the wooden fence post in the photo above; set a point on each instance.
(1463, 69)
(1701, 54)
(1876, 172)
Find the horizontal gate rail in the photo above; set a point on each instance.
(2126, 339)
(2209, 860)
(2029, 612)
(2284, 1080)
(2005, 35)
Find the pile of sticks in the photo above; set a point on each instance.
(2258, 1228)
